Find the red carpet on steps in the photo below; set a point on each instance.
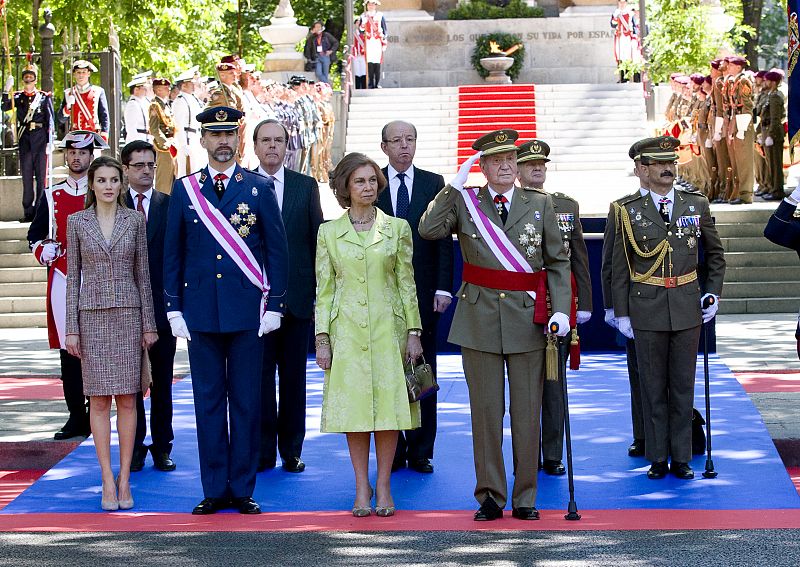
(483, 108)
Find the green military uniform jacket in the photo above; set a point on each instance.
(609, 236)
(493, 320)
(773, 112)
(569, 223)
(656, 308)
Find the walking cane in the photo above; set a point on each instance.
(563, 350)
(709, 472)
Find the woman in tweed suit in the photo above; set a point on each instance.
(109, 316)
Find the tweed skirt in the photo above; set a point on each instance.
(111, 350)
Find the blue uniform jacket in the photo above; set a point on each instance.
(200, 279)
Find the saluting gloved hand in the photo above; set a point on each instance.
(624, 326)
(582, 317)
(460, 179)
(178, 326)
(562, 321)
(711, 311)
(49, 252)
(610, 318)
(9, 84)
(769, 142)
(270, 321)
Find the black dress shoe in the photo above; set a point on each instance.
(246, 505)
(636, 448)
(137, 460)
(68, 432)
(294, 464)
(161, 460)
(555, 468)
(681, 470)
(524, 513)
(209, 506)
(488, 511)
(421, 466)
(658, 470)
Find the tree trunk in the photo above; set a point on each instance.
(751, 16)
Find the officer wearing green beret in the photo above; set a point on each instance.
(657, 300)
(508, 236)
(532, 158)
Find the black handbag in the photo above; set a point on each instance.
(420, 381)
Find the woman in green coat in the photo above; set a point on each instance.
(367, 325)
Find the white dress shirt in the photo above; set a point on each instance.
(656, 198)
(278, 182)
(145, 202)
(228, 174)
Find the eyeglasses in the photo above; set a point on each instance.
(397, 141)
(139, 166)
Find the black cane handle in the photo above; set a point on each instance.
(554, 327)
(709, 301)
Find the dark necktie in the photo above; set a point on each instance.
(500, 202)
(401, 209)
(140, 205)
(663, 209)
(219, 185)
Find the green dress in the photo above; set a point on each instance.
(366, 302)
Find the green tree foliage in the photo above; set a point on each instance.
(772, 35)
(481, 10)
(681, 39)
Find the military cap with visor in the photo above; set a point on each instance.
(496, 142)
(533, 150)
(219, 118)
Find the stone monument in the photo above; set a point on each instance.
(283, 34)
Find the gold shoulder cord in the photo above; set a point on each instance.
(663, 248)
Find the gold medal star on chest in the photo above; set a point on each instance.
(242, 220)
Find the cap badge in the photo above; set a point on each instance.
(500, 137)
(536, 147)
(665, 145)
(221, 116)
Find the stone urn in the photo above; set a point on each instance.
(497, 67)
(283, 34)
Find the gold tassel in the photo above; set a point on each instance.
(551, 358)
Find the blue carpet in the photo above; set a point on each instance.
(751, 474)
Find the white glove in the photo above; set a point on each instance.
(711, 311)
(582, 317)
(709, 143)
(460, 179)
(70, 99)
(796, 194)
(610, 318)
(768, 142)
(624, 326)
(49, 252)
(759, 139)
(718, 137)
(9, 83)
(270, 321)
(179, 328)
(563, 324)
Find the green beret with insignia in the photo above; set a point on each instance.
(533, 150)
(496, 142)
(657, 149)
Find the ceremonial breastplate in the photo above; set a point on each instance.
(79, 119)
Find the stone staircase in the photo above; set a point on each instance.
(761, 277)
(23, 282)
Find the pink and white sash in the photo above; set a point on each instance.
(502, 248)
(228, 238)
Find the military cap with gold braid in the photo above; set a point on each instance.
(657, 149)
(533, 150)
(496, 142)
(219, 118)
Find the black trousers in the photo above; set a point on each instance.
(360, 81)
(32, 163)
(72, 382)
(374, 74)
(162, 359)
(637, 415)
(418, 443)
(283, 423)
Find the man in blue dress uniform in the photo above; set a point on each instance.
(225, 273)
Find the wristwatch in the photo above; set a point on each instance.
(415, 332)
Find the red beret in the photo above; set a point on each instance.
(715, 63)
(737, 60)
(161, 83)
(776, 76)
(707, 79)
(697, 78)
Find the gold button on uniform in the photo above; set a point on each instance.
(362, 301)
(502, 295)
(363, 325)
(219, 276)
(219, 256)
(474, 236)
(361, 280)
(195, 220)
(669, 233)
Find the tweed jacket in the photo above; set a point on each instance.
(493, 320)
(102, 275)
(656, 308)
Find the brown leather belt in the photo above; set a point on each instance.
(670, 282)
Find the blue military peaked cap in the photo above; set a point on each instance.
(219, 118)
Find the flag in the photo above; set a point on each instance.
(793, 79)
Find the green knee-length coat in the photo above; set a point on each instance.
(366, 302)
